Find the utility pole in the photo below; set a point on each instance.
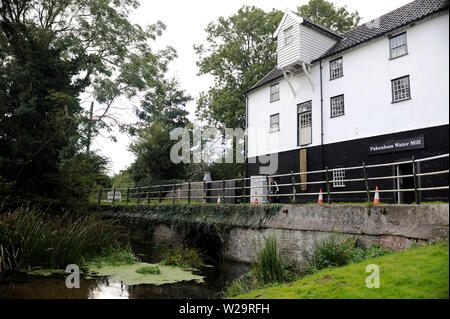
(88, 148)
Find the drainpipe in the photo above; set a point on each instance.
(321, 115)
(246, 136)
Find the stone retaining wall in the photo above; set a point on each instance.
(297, 227)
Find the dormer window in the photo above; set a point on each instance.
(398, 45)
(288, 36)
(336, 69)
(274, 92)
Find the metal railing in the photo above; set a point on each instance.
(205, 191)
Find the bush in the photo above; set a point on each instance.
(180, 256)
(333, 251)
(148, 270)
(32, 239)
(375, 251)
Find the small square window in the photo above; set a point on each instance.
(275, 123)
(274, 92)
(336, 69)
(338, 178)
(288, 36)
(401, 89)
(398, 45)
(337, 106)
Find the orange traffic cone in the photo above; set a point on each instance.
(376, 199)
(218, 199)
(320, 201)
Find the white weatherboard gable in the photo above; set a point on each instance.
(292, 15)
(308, 44)
(290, 54)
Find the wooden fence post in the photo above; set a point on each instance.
(223, 190)
(148, 195)
(189, 192)
(139, 195)
(100, 196)
(366, 182)
(269, 199)
(416, 192)
(174, 193)
(328, 185)
(294, 190)
(159, 194)
(243, 191)
(204, 191)
(128, 196)
(114, 196)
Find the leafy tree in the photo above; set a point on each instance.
(329, 15)
(240, 50)
(123, 179)
(52, 52)
(83, 174)
(162, 110)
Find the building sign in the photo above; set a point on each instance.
(413, 143)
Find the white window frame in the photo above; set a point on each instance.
(273, 93)
(274, 126)
(288, 35)
(338, 177)
(304, 114)
(400, 91)
(337, 105)
(336, 71)
(398, 41)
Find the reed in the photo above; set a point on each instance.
(31, 239)
(269, 265)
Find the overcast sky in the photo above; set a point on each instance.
(186, 21)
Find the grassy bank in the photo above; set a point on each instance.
(421, 272)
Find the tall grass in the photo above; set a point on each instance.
(31, 239)
(333, 251)
(269, 265)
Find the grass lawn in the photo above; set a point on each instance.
(421, 272)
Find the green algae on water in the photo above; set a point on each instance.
(45, 272)
(129, 276)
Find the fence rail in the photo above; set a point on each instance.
(201, 191)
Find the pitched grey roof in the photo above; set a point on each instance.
(403, 16)
(320, 27)
(389, 22)
(271, 76)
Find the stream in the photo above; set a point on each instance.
(53, 287)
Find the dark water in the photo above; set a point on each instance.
(103, 288)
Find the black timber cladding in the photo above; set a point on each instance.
(354, 153)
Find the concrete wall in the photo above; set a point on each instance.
(298, 226)
(394, 227)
